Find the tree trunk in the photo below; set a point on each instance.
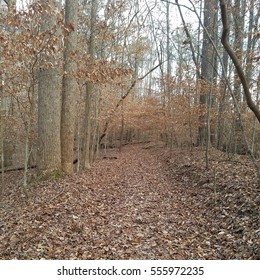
(222, 102)
(69, 91)
(238, 16)
(2, 153)
(206, 65)
(251, 40)
(49, 106)
(89, 91)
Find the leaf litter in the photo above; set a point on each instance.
(143, 203)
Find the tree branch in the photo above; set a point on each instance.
(189, 40)
(232, 55)
(181, 5)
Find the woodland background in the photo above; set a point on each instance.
(82, 78)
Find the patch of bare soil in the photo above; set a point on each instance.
(140, 204)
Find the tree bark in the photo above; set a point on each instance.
(251, 40)
(238, 16)
(69, 91)
(89, 91)
(206, 65)
(49, 106)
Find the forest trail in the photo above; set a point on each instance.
(142, 204)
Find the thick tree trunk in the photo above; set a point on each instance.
(69, 90)
(49, 108)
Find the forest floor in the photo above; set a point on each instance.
(143, 203)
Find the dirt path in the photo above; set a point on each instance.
(124, 208)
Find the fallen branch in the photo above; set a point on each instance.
(107, 157)
(18, 168)
(29, 167)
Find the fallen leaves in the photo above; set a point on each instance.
(143, 204)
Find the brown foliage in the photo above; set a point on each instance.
(141, 204)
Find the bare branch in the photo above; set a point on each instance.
(181, 5)
(231, 53)
(189, 40)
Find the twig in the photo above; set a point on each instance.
(60, 193)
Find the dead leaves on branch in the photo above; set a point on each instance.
(30, 47)
(146, 204)
(101, 71)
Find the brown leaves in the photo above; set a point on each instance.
(101, 71)
(217, 204)
(143, 204)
